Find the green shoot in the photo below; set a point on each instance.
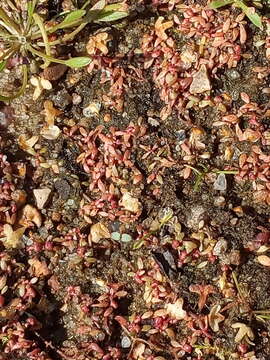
(3, 65)
(168, 214)
(226, 172)
(201, 174)
(262, 315)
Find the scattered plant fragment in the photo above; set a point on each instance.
(215, 317)
(244, 332)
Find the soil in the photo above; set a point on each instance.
(68, 320)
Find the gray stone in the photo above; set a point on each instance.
(125, 342)
(41, 196)
(220, 183)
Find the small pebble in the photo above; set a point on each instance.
(233, 74)
(235, 95)
(41, 196)
(125, 342)
(234, 257)
(264, 260)
(70, 202)
(200, 82)
(6, 115)
(126, 238)
(152, 121)
(234, 221)
(107, 118)
(266, 91)
(115, 226)
(181, 136)
(116, 236)
(220, 183)
(54, 72)
(219, 201)
(92, 110)
(76, 99)
(196, 214)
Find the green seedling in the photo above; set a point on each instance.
(262, 315)
(167, 216)
(24, 34)
(249, 11)
(200, 174)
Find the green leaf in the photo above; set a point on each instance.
(38, 20)
(220, 3)
(254, 18)
(250, 13)
(78, 62)
(108, 16)
(100, 5)
(113, 7)
(73, 62)
(108, 13)
(3, 65)
(72, 17)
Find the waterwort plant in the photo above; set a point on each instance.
(25, 35)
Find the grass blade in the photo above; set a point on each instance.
(42, 29)
(31, 6)
(10, 25)
(74, 18)
(254, 18)
(67, 37)
(108, 13)
(3, 65)
(30, 11)
(9, 53)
